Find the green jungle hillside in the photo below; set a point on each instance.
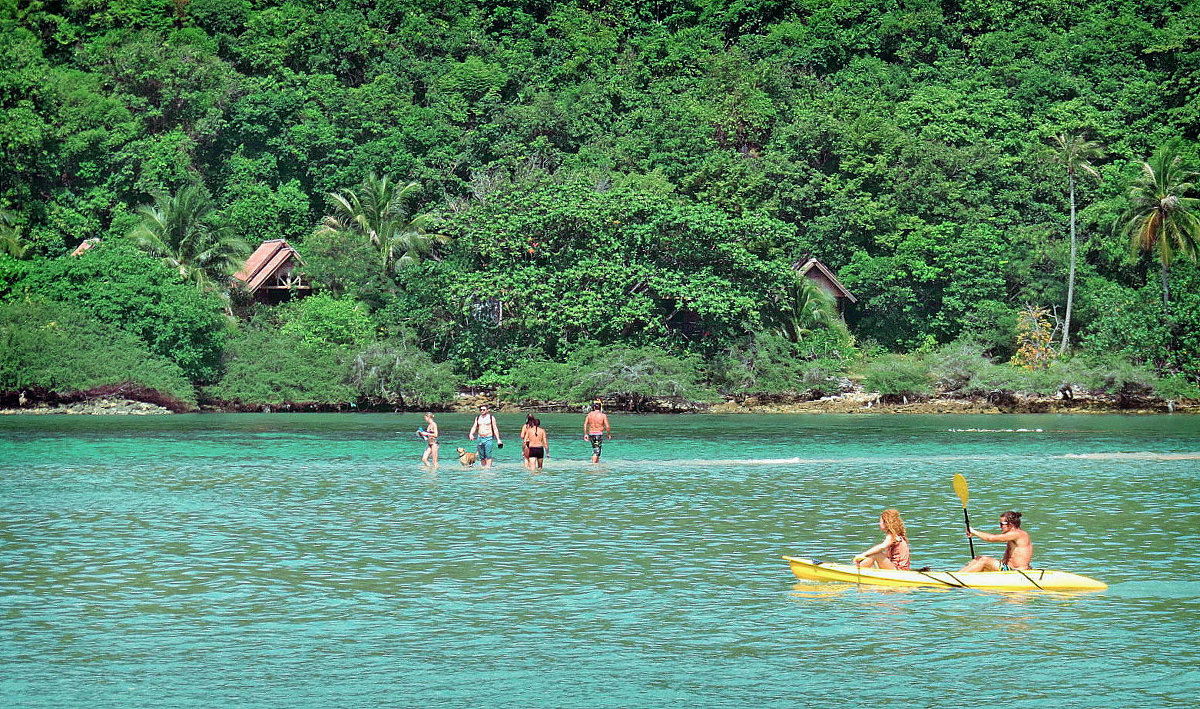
(562, 200)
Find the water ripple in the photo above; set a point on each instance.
(308, 561)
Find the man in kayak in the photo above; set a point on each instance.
(1017, 554)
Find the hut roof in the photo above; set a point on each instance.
(85, 245)
(267, 259)
(840, 291)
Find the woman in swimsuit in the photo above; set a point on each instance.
(430, 435)
(539, 445)
(892, 553)
(529, 419)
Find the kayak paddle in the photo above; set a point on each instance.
(960, 489)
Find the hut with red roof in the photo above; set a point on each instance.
(271, 274)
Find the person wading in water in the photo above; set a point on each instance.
(489, 435)
(595, 426)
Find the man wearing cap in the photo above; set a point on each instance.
(489, 435)
(595, 426)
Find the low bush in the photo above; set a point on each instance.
(115, 284)
(896, 377)
(540, 380)
(770, 364)
(1176, 389)
(635, 376)
(1001, 383)
(55, 347)
(629, 377)
(953, 367)
(1110, 376)
(266, 367)
(401, 374)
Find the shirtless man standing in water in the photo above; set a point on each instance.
(594, 428)
(489, 435)
(1018, 553)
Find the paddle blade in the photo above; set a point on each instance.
(960, 488)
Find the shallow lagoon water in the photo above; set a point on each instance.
(310, 561)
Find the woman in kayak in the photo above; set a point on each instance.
(892, 552)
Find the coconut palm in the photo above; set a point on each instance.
(10, 236)
(1075, 154)
(377, 211)
(180, 229)
(1161, 217)
(805, 308)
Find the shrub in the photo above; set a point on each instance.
(540, 380)
(61, 349)
(993, 325)
(115, 284)
(1128, 324)
(1110, 376)
(1177, 389)
(897, 376)
(322, 321)
(399, 373)
(770, 364)
(1001, 382)
(954, 366)
(264, 366)
(638, 375)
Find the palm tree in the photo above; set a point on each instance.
(1075, 154)
(376, 210)
(1160, 216)
(180, 229)
(10, 236)
(806, 307)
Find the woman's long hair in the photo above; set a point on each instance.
(893, 524)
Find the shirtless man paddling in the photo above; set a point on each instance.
(595, 426)
(1017, 554)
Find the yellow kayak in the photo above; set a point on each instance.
(1027, 580)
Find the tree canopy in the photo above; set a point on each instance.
(494, 183)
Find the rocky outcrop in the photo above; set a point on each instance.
(104, 407)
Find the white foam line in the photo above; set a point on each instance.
(1140, 455)
(996, 430)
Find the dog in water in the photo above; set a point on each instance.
(467, 459)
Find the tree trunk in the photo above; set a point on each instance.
(1166, 290)
(1071, 277)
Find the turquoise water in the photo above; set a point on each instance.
(309, 561)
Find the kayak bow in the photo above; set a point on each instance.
(1021, 580)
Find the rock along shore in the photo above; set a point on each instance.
(95, 407)
(851, 403)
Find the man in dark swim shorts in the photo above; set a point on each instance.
(1018, 550)
(595, 426)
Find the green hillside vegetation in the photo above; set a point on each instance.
(562, 200)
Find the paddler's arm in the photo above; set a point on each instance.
(1002, 537)
(887, 542)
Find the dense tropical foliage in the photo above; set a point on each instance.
(555, 198)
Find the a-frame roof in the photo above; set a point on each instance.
(269, 257)
(806, 265)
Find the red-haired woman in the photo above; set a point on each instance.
(892, 552)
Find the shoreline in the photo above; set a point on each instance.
(856, 403)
